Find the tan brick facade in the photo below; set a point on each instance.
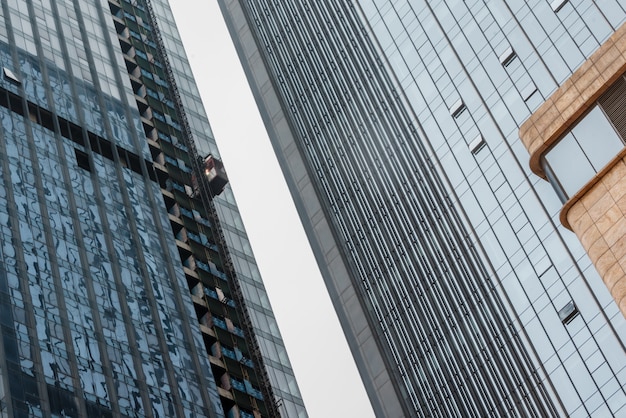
(596, 213)
(561, 110)
(598, 217)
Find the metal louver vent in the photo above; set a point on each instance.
(613, 102)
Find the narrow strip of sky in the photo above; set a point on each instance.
(326, 374)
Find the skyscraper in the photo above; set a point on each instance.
(397, 124)
(127, 284)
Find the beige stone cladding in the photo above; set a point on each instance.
(598, 217)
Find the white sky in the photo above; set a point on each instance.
(324, 368)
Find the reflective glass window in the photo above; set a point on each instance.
(584, 151)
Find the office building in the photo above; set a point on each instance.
(127, 284)
(397, 126)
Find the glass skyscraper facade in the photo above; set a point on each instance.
(127, 284)
(396, 124)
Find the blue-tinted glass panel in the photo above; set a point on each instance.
(584, 151)
(597, 138)
(570, 164)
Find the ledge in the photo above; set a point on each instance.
(588, 186)
(570, 101)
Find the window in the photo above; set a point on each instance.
(557, 5)
(507, 57)
(83, 160)
(457, 108)
(568, 313)
(477, 144)
(10, 75)
(581, 153)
